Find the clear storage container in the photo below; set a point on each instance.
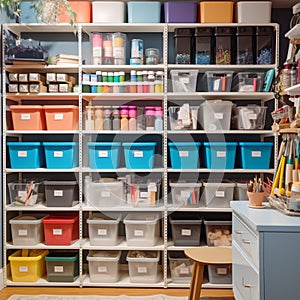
(251, 117)
(219, 81)
(184, 117)
(218, 233)
(183, 45)
(248, 82)
(181, 267)
(184, 81)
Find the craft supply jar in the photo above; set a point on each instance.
(244, 45)
(203, 46)
(183, 45)
(264, 45)
(223, 45)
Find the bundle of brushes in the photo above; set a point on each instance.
(255, 185)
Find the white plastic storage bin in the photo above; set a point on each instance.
(181, 267)
(218, 233)
(27, 230)
(185, 193)
(215, 115)
(218, 194)
(254, 12)
(109, 11)
(184, 80)
(219, 81)
(143, 266)
(103, 229)
(105, 193)
(104, 266)
(141, 229)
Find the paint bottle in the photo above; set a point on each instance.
(122, 86)
(98, 118)
(139, 78)
(133, 80)
(107, 118)
(99, 81)
(124, 118)
(159, 82)
(116, 118)
(132, 118)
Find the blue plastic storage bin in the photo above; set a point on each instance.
(26, 155)
(184, 155)
(255, 155)
(139, 155)
(104, 155)
(61, 155)
(143, 11)
(220, 155)
(180, 12)
(28, 13)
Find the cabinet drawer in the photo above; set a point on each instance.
(245, 278)
(247, 240)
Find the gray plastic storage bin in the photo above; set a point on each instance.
(186, 231)
(240, 191)
(61, 193)
(181, 267)
(218, 233)
(220, 274)
(184, 81)
(103, 229)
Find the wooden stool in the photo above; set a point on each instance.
(205, 256)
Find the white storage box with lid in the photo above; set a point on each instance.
(104, 266)
(215, 115)
(218, 194)
(181, 267)
(143, 266)
(142, 229)
(254, 12)
(27, 230)
(103, 229)
(109, 11)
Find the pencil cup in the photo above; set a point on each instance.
(256, 199)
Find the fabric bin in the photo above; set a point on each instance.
(103, 229)
(61, 155)
(181, 267)
(218, 233)
(109, 11)
(254, 12)
(26, 155)
(219, 155)
(28, 117)
(104, 266)
(184, 81)
(184, 155)
(180, 12)
(104, 155)
(143, 11)
(61, 193)
(216, 12)
(62, 266)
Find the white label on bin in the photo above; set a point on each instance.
(57, 231)
(22, 194)
(138, 233)
(58, 193)
(256, 153)
(105, 194)
(184, 80)
(152, 187)
(142, 269)
(102, 269)
(184, 271)
(137, 153)
(144, 194)
(222, 271)
(58, 116)
(22, 153)
(25, 116)
(219, 116)
(58, 154)
(102, 231)
(22, 232)
(183, 153)
(185, 195)
(102, 153)
(220, 194)
(186, 232)
(252, 116)
(221, 154)
(58, 269)
(23, 269)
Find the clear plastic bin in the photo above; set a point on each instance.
(219, 81)
(215, 115)
(220, 274)
(103, 229)
(218, 233)
(142, 229)
(183, 117)
(251, 117)
(185, 193)
(104, 266)
(143, 266)
(218, 194)
(181, 267)
(184, 80)
(248, 82)
(27, 230)
(240, 191)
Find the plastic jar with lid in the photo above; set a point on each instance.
(151, 56)
(116, 118)
(150, 118)
(294, 202)
(107, 118)
(159, 82)
(132, 123)
(223, 45)
(124, 118)
(98, 118)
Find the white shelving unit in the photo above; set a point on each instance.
(164, 208)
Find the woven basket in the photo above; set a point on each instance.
(281, 204)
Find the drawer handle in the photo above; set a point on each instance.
(247, 285)
(239, 232)
(246, 241)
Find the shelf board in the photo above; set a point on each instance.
(59, 132)
(294, 32)
(126, 208)
(260, 132)
(204, 170)
(123, 170)
(119, 132)
(128, 68)
(43, 282)
(75, 245)
(41, 207)
(68, 68)
(203, 68)
(205, 285)
(41, 170)
(173, 208)
(122, 96)
(42, 96)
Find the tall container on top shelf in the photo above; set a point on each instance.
(204, 43)
(264, 45)
(244, 45)
(183, 45)
(223, 48)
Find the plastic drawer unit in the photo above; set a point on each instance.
(28, 117)
(62, 117)
(62, 266)
(143, 266)
(184, 81)
(61, 193)
(109, 11)
(104, 266)
(139, 155)
(216, 12)
(180, 12)
(143, 11)
(27, 265)
(142, 229)
(26, 155)
(61, 229)
(104, 155)
(104, 228)
(181, 267)
(27, 230)
(186, 231)
(61, 155)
